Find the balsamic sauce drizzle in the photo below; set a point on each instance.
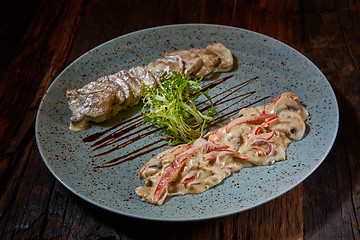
(123, 131)
(96, 136)
(130, 141)
(126, 158)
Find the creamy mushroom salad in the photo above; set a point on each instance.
(258, 137)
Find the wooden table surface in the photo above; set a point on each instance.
(40, 38)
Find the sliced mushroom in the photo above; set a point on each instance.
(291, 124)
(289, 102)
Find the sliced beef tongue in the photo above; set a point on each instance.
(105, 97)
(159, 66)
(226, 58)
(100, 100)
(91, 103)
(144, 76)
(192, 62)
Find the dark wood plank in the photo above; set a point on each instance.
(34, 205)
(332, 192)
(281, 21)
(12, 29)
(274, 216)
(43, 208)
(41, 56)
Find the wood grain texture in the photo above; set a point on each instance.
(23, 178)
(13, 29)
(332, 42)
(34, 205)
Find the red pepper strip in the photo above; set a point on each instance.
(209, 133)
(143, 169)
(181, 149)
(212, 132)
(173, 170)
(214, 139)
(241, 158)
(277, 99)
(259, 151)
(212, 155)
(188, 179)
(266, 121)
(175, 150)
(263, 111)
(266, 136)
(254, 118)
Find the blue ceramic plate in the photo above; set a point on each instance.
(265, 68)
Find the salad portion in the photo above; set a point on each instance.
(259, 136)
(172, 105)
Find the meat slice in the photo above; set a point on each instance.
(209, 60)
(119, 91)
(91, 103)
(102, 99)
(159, 66)
(199, 62)
(129, 95)
(144, 76)
(192, 62)
(134, 84)
(226, 58)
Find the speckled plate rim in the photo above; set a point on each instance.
(327, 148)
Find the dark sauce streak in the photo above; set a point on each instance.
(118, 136)
(222, 101)
(96, 136)
(130, 157)
(241, 85)
(215, 83)
(136, 151)
(116, 161)
(236, 97)
(237, 110)
(135, 122)
(262, 99)
(130, 141)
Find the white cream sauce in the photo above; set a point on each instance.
(259, 136)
